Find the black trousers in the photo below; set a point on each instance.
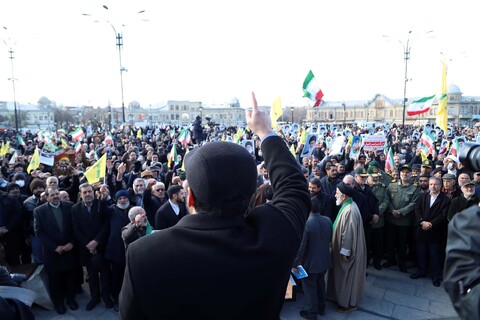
(397, 244)
(314, 290)
(376, 246)
(430, 253)
(99, 281)
(61, 285)
(118, 271)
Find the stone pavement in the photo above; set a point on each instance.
(389, 294)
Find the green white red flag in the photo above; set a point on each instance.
(311, 89)
(389, 163)
(420, 106)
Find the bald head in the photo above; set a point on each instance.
(350, 180)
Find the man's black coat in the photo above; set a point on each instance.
(208, 267)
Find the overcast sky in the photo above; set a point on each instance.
(212, 51)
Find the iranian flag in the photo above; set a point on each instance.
(311, 89)
(389, 164)
(420, 106)
(108, 138)
(428, 140)
(20, 140)
(78, 147)
(184, 137)
(454, 148)
(77, 134)
(172, 156)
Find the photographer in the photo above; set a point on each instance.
(462, 263)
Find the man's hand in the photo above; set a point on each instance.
(375, 218)
(68, 247)
(345, 258)
(257, 120)
(140, 220)
(3, 231)
(59, 250)
(92, 245)
(426, 225)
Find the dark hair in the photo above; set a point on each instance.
(315, 205)
(312, 138)
(315, 181)
(173, 189)
(268, 192)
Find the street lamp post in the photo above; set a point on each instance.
(291, 109)
(10, 51)
(344, 115)
(119, 44)
(406, 57)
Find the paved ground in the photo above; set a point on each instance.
(389, 295)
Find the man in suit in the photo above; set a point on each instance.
(53, 226)
(90, 226)
(314, 256)
(241, 259)
(431, 220)
(173, 210)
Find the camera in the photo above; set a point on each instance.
(470, 156)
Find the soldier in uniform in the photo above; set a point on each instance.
(380, 192)
(426, 167)
(384, 177)
(402, 196)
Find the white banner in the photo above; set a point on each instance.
(47, 158)
(375, 142)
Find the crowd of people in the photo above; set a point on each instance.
(370, 214)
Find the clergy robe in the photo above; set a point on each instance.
(348, 239)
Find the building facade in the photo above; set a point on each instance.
(462, 110)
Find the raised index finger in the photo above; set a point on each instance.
(254, 101)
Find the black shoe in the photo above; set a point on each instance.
(321, 312)
(73, 305)
(92, 304)
(308, 315)
(108, 303)
(61, 308)
(417, 275)
(403, 269)
(378, 266)
(115, 307)
(387, 264)
(437, 282)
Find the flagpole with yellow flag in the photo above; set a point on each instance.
(35, 161)
(97, 171)
(276, 111)
(442, 112)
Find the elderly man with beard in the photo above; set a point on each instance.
(464, 201)
(115, 249)
(53, 226)
(90, 226)
(137, 226)
(349, 252)
(137, 194)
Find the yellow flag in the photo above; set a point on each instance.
(424, 156)
(223, 137)
(5, 149)
(442, 112)
(303, 138)
(183, 162)
(97, 171)
(1, 149)
(64, 144)
(238, 135)
(139, 133)
(276, 111)
(292, 150)
(34, 162)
